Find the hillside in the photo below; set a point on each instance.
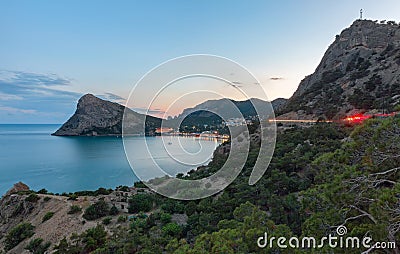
(224, 106)
(319, 178)
(359, 72)
(97, 117)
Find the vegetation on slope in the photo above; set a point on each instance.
(320, 178)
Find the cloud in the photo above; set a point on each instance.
(35, 97)
(18, 85)
(9, 97)
(33, 79)
(12, 110)
(236, 84)
(112, 97)
(276, 78)
(156, 111)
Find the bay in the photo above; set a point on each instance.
(28, 153)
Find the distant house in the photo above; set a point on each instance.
(235, 122)
(163, 130)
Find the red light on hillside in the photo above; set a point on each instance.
(357, 118)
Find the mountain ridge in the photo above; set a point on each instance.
(98, 117)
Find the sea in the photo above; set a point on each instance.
(28, 153)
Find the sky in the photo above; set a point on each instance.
(53, 52)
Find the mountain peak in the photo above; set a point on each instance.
(88, 97)
(360, 71)
(97, 117)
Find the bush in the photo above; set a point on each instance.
(73, 197)
(97, 210)
(114, 210)
(103, 191)
(94, 238)
(36, 246)
(122, 218)
(46, 199)
(107, 220)
(140, 203)
(165, 218)
(123, 188)
(74, 209)
(173, 206)
(17, 234)
(32, 198)
(190, 208)
(42, 191)
(139, 185)
(171, 229)
(47, 216)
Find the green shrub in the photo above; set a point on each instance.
(42, 191)
(122, 218)
(173, 206)
(47, 216)
(140, 203)
(73, 197)
(33, 197)
(74, 209)
(165, 218)
(123, 188)
(107, 220)
(97, 210)
(94, 238)
(46, 199)
(139, 185)
(171, 229)
(17, 234)
(36, 246)
(114, 210)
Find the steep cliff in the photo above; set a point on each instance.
(360, 71)
(97, 117)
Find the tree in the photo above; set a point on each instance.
(190, 208)
(33, 198)
(94, 238)
(36, 246)
(42, 191)
(17, 234)
(97, 210)
(357, 186)
(171, 229)
(165, 218)
(114, 210)
(140, 203)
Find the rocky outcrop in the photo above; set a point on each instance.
(278, 104)
(97, 117)
(360, 71)
(18, 187)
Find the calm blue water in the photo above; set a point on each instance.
(66, 164)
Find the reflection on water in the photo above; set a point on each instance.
(65, 164)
